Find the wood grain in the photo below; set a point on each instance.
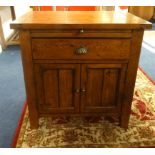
(86, 33)
(51, 85)
(29, 77)
(131, 77)
(79, 19)
(55, 85)
(66, 48)
(103, 85)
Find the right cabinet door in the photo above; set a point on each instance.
(102, 87)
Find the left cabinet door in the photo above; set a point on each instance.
(57, 88)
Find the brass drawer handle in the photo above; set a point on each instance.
(81, 50)
(81, 31)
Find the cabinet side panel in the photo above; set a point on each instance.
(137, 37)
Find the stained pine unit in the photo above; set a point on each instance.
(80, 62)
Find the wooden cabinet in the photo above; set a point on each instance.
(80, 63)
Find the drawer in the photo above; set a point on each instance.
(80, 48)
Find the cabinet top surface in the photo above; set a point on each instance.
(79, 19)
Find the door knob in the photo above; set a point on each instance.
(83, 90)
(77, 90)
(81, 31)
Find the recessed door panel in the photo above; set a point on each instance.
(56, 85)
(103, 85)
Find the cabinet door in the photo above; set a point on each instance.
(102, 87)
(57, 87)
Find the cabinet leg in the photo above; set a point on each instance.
(34, 120)
(34, 124)
(125, 126)
(124, 122)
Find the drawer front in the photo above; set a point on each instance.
(81, 48)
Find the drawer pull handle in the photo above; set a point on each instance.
(81, 31)
(82, 50)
